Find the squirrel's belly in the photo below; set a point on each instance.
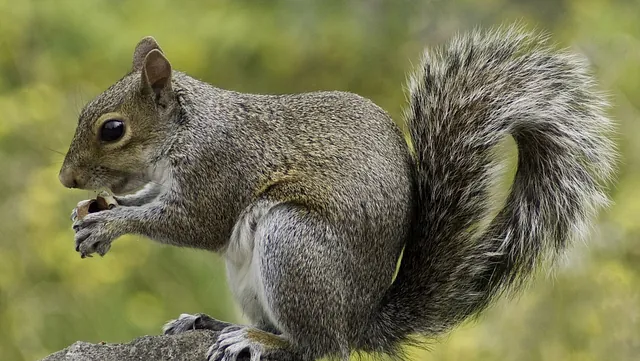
(243, 271)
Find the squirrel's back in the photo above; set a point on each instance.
(339, 145)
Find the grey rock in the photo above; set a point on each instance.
(189, 346)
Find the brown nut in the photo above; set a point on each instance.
(105, 201)
(102, 202)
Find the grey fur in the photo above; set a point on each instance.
(464, 99)
(311, 197)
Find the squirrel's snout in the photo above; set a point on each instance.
(68, 178)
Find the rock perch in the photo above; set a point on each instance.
(189, 346)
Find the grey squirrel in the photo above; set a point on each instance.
(311, 198)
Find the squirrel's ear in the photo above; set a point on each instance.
(156, 73)
(143, 48)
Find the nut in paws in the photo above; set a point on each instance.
(94, 234)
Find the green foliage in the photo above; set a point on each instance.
(54, 56)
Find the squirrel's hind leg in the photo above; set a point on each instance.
(313, 310)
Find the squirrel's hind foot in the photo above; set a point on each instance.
(243, 343)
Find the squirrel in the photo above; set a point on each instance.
(339, 234)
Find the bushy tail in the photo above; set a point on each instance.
(464, 99)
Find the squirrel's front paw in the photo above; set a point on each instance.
(184, 323)
(94, 234)
(187, 322)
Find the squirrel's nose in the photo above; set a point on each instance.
(68, 178)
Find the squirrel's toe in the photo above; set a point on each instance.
(185, 322)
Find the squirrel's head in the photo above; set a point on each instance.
(122, 132)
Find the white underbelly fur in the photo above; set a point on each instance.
(243, 269)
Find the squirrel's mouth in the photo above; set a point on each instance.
(127, 184)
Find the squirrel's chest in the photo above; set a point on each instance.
(243, 268)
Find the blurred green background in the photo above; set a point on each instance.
(56, 55)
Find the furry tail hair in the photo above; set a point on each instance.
(464, 99)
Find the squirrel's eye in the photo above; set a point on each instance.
(111, 130)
